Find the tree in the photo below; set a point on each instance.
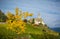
(17, 22)
(33, 21)
(10, 15)
(3, 17)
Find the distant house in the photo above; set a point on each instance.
(38, 21)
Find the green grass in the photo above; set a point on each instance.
(6, 34)
(32, 32)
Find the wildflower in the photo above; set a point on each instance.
(23, 30)
(18, 32)
(11, 28)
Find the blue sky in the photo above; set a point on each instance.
(49, 9)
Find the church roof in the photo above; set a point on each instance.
(38, 19)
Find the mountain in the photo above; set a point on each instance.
(57, 29)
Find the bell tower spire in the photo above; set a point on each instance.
(39, 15)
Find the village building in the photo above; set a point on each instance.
(38, 20)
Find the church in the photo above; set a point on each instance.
(38, 20)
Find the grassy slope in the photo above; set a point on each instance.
(35, 32)
(5, 34)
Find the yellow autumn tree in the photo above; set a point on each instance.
(17, 25)
(27, 14)
(10, 15)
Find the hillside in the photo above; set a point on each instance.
(32, 32)
(17, 26)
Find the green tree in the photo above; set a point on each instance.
(33, 21)
(3, 17)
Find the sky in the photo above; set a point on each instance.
(48, 9)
